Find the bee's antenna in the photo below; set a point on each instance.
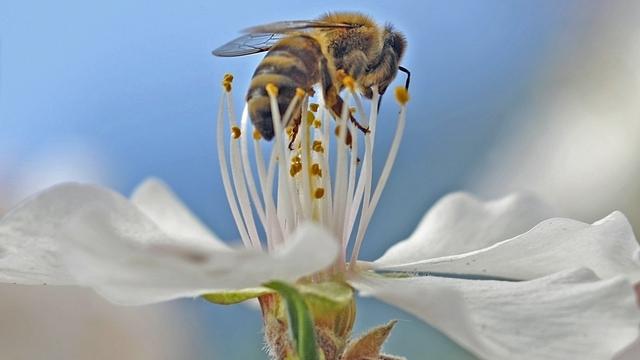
(379, 103)
(406, 71)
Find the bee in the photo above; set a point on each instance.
(303, 53)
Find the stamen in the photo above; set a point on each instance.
(235, 132)
(393, 151)
(226, 181)
(238, 178)
(256, 135)
(340, 192)
(318, 193)
(316, 170)
(305, 189)
(349, 83)
(402, 95)
(226, 82)
(317, 146)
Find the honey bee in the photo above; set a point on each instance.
(303, 53)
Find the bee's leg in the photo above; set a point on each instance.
(406, 71)
(294, 132)
(355, 63)
(379, 103)
(331, 97)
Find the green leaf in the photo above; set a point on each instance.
(300, 321)
(236, 296)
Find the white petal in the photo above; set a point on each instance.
(28, 252)
(459, 223)
(130, 261)
(158, 202)
(570, 315)
(608, 247)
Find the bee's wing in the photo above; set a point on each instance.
(283, 27)
(260, 38)
(248, 44)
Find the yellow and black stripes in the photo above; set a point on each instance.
(290, 64)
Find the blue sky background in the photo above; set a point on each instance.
(136, 81)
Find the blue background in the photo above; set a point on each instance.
(136, 80)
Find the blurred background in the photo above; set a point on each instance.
(528, 95)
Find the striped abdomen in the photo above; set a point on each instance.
(291, 63)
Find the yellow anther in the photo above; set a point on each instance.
(256, 135)
(314, 107)
(318, 193)
(349, 83)
(340, 75)
(402, 95)
(272, 89)
(300, 92)
(295, 169)
(317, 146)
(316, 170)
(227, 79)
(310, 118)
(317, 124)
(235, 132)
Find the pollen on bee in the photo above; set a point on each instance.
(314, 107)
(317, 146)
(272, 89)
(402, 95)
(235, 132)
(256, 135)
(316, 170)
(318, 193)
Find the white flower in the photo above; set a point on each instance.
(575, 300)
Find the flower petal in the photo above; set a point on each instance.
(459, 223)
(608, 247)
(129, 260)
(28, 252)
(158, 202)
(570, 315)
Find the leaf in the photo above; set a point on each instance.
(300, 321)
(236, 296)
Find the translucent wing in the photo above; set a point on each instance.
(248, 44)
(283, 27)
(262, 37)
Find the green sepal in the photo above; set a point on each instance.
(230, 297)
(300, 320)
(326, 297)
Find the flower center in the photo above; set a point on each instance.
(306, 175)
